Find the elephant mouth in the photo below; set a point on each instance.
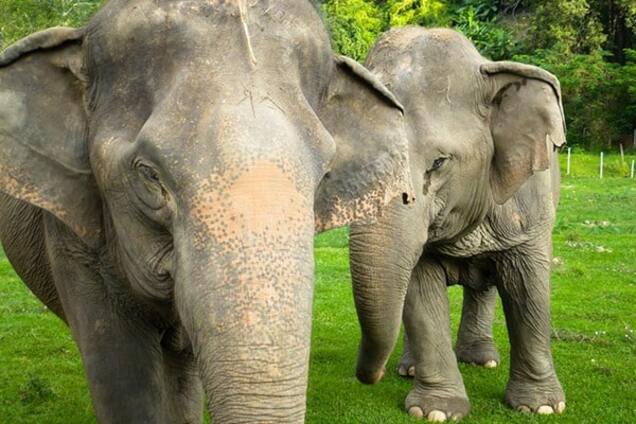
(164, 263)
(438, 221)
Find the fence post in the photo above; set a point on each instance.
(633, 168)
(601, 168)
(569, 160)
(622, 154)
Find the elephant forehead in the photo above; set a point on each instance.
(260, 201)
(220, 25)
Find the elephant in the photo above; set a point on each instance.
(483, 141)
(163, 172)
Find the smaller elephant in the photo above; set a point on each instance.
(483, 144)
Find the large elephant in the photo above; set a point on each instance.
(482, 139)
(165, 169)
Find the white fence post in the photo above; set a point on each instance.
(601, 168)
(569, 160)
(633, 168)
(622, 153)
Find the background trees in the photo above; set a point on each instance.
(588, 44)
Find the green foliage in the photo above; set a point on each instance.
(493, 40)
(566, 26)
(588, 44)
(354, 25)
(430, 13)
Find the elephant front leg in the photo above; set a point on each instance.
(439, 392)
(184, 403)
(131, 380)
(524, 287)
(475, 343)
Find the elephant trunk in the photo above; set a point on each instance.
(244, 291)
(383, 256)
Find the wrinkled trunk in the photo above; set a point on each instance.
(244, 293)
(383, 256)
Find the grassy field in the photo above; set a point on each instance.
(594, 318)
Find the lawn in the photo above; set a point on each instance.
(594, 318)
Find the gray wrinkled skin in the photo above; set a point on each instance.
(483, 139)
(164, 170)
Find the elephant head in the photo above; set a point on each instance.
(478, 130)
(196, 146)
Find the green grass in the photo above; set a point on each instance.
(594, 321)
(19, 18)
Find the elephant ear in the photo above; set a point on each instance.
(527, 123)
(43, 130)
(371, 165)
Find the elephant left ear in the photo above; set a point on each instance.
(371, 164)
(527, 123)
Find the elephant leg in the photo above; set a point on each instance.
(120, 349)
(406, 368)
(524, 286)
(184, 388)
(475, 343)
(439, 391)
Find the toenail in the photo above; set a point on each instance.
(412, 371)
(523, 408)
(545, 410)
(560, 407)
(416, 411)
(491, 364)
(436, 416)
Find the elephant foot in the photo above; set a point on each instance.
(406, 368)
(539, 398)
(437, 405)
(370, 377)
(482, 353)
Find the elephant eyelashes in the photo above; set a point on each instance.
(149, 174)
(149, 188)
(438, 163)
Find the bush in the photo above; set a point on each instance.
(354, 26)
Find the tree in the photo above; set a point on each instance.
(354, 25)
(566, 26)
(417, 12)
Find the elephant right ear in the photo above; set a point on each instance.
(371, 164)
(43, 130)
(527, 123)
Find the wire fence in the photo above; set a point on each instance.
(577, 163)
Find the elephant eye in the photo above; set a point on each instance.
(148, 173)
(437, 163)
(148, 187)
